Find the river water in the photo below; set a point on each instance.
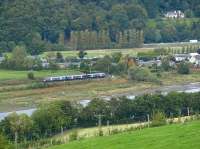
(188, 88)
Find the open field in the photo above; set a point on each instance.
(14, 75)
(101, 53)
(18, 95)
(178, 136)
(130, 51)
(170, 45)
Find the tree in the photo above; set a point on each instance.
(17, 127)
(18, 57)
(103, 64)
(85, 67)
(59, 57)
(54, 118)
(82, 54)
(141, 74)
(61, 39)
(90, 114)
(116, 57)
(166, 64)
(30, 75)
(4, 143)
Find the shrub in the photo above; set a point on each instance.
(158, 119)
(166, 64)
(30, 75)
(37, 85)
(73, 136)
(141, 74)
(183, 68)
(100, 133)
(4, 143)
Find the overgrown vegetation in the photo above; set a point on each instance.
(4, 143)
(183, 68)
(158, 119)
(142, 74)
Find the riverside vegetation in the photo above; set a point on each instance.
(54, 118)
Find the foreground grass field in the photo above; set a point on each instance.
(179, 136)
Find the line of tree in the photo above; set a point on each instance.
(82, 40)
(53, 118)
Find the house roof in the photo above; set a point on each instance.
(197, 57)
(181, 55)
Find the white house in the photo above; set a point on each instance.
(193, 41)
(181, 57)
(175, 14)
(194, 58)
(45, 63)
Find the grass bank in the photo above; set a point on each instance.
(178, 136)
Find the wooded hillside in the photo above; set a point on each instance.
(44, 25)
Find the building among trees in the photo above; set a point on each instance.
(175, 14)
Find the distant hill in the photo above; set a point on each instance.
(179, 136)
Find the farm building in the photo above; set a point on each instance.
(181, 57)
(149, 63)
(175, 14)
(195, 58)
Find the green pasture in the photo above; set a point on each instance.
(178, 136)
(101, 53)
(14, 75)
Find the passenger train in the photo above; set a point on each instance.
(75, 77)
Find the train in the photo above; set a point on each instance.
(75, 77)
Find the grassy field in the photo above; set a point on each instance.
(14, 75)
(101, 53)
(178, 136)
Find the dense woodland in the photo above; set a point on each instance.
(66, 24)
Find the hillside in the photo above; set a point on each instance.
(179, 136)
(44, 25)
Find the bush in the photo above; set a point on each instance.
(37, 85)
(166, 64)
(114, 131)
(183, 68)
(73, 136)
(158, 119)
(4, 143)
(141, 74)
(30, 75)
(100, 133)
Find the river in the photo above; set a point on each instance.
(188, 88)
